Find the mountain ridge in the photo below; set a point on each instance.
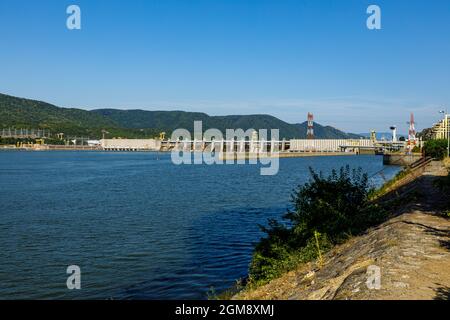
(137, 123)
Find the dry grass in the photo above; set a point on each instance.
(397, 246)
(447, 162)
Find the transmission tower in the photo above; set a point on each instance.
(310, 132)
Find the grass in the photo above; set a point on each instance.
(326, 211)
(227, 294)
(386, 188)
(285, 249)
(447, 162)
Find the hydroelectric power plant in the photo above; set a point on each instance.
(250, 144)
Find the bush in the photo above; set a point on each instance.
(416, 149)
(336, 207)
(436, 148)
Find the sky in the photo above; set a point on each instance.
(280, 57)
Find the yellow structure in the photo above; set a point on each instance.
(441, 129)
(373, 136)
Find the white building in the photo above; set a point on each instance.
(93, 143)
(130, 144)
(327, 145)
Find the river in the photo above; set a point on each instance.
(138, 226)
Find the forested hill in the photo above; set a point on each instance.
(26, 113)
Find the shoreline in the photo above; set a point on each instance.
(414, 199)
(223, 156)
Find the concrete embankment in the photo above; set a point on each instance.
(409, 254)
(45, 147)
(401, 159)
(247, 156)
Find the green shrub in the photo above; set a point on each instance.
(416, 149)
(336, 207)
(436, 148)
(376, 193)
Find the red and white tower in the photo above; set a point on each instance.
(310, 132)
(412, 132)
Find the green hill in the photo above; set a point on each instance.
(170, 120)
(25, 113)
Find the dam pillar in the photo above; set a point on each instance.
(262, 146)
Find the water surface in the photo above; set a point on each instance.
(137, 225)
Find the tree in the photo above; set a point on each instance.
(335, 207)
(436, 148)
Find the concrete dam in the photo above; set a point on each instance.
(352, 146)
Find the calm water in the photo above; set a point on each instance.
(138, 226)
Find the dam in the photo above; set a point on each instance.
(316, 146)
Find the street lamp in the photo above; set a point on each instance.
(446, 129)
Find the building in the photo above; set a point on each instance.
(329, 145)
(441, 129)
(130, 144)
(93, 143)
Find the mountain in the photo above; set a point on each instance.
(379, 135)
(171, 120)
(25, 113)
(168, 121)
(382, 135)
(325, 132)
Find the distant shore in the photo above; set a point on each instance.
(223, 156)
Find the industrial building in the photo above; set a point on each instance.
(328, 145)
(130, 144)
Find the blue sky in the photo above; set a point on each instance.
(280, 57)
